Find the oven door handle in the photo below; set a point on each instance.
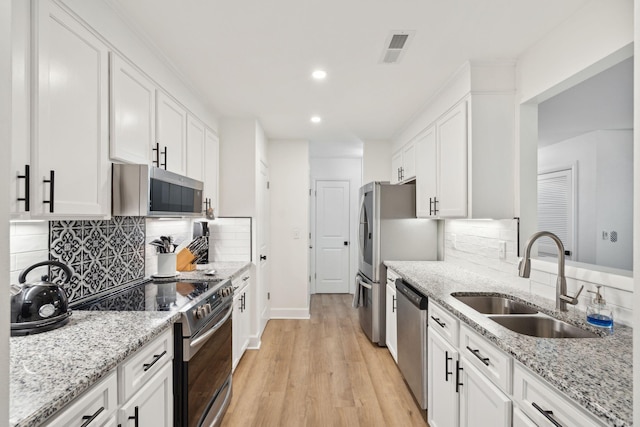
(196, 342)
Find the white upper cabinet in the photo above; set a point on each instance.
(171, 134)
(71, 170)
(465, 158)
(211, 169)
(195, 148)
(403, 164)
(133, 121)
(426, 171)
(451, 197)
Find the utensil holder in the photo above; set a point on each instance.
(166, 264)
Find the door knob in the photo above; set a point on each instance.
(346, 243)
(263, 257)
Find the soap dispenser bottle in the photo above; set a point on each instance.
(598, 312)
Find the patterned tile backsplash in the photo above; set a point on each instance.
(100, 254)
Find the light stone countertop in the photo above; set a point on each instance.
(50, 369)
(596, 373)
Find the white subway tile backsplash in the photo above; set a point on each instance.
(30, 228)
(477, 249)
(230, 239)
(29, 243)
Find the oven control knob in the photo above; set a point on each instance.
(199, 313)
(207, 308)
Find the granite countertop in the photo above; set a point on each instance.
(224, 270)
(596, 373)
(50, 369)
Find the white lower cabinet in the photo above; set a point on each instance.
(241, 320)
(152, 405)
(463, 382)
(544, 405)
(521, 420)
(391, 317)
(139, 392)
(98, 404)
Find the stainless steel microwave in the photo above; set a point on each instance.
(143, 190)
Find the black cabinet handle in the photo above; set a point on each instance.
(458, 383)
(446, 366)
(156, 357)
(165, 158)
(393, 304)
(547, 414)
(476, 353)
(27, 181)
(435, 206)
(88, 418)
(51, 181)
(135, 417)
(439, 322)
(157, 150)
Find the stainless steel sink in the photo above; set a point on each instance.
(494, 305)
(542, 327)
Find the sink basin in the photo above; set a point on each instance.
(542, 327)
(495, 305)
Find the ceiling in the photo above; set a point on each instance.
(254, 58)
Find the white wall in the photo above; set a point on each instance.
(597, 30)
(347, 170)
(289, 266)
(5, 135)
(376, 161)
(130, 42)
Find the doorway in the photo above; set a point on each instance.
(332, 236)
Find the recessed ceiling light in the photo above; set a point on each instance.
(319, 74)
(316, 119)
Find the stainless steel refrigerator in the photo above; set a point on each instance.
(388, 230)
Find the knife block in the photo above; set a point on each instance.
(185, 260)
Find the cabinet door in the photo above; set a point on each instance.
(71, 176)
(408, 161)
(195, 148)
(236, 331)
(452, 163)
(521, 420)
(211, 168)
(392, 321)
(396, 165)
(443, 402)
(152, 406)
(133, 119)
(481, 402)
(426, 161)
(245, 324)
(20, 110)
(171, 123)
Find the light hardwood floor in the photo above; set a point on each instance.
(320, 372)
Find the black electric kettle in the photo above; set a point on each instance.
(39, 306)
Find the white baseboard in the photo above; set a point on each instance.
(254, 343)
(290, 313)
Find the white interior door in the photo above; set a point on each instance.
(332, 236)
(263, 221)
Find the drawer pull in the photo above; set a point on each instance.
(547, 414)
(439, 322)
(476, 353)
(156, 357)
(88, 418)
(27, 181)
(446, 366)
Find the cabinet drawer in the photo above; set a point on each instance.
(392, 276)
(241, 281)
(99, 402)
(446, 324)
(144, 363)
(531, 393)
(486, 357)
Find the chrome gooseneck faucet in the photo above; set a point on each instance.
(561, 283)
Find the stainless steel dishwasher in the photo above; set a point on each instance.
(412, 340)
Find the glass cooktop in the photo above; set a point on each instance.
(148, 296)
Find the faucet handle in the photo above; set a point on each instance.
(572, 300)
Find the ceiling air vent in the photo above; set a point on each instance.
(395, 46)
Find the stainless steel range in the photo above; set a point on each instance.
(202, 342)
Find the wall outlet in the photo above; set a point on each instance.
(502, 249)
